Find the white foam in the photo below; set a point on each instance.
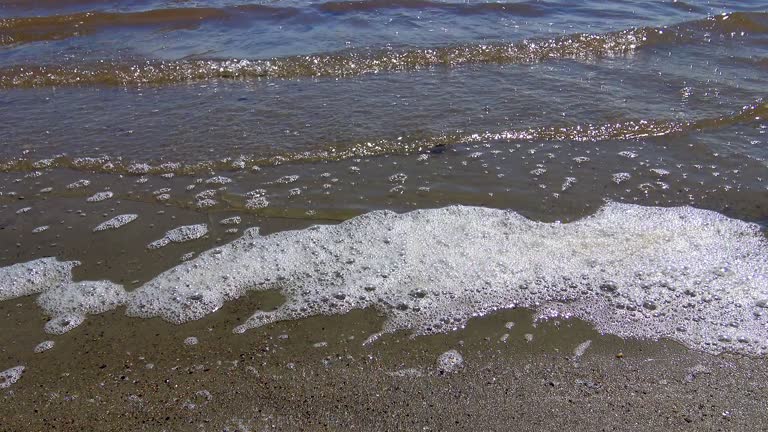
(9, 377)
(63, 323)
(581, 348)
(116, 222)
(691, 275)
(219, 180)
(256, 203)
(69, 303)
(620, 178)
(234, 220)
(33, 277)
(79, 184)
(86, 297)
(139, 168)
(180, 235)
(44, 346)
(450, 361)
(287, 179)
(100, 196)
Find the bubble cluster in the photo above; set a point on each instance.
(33, 277)
(256, 200)
(116, 222)
(219, 180)
(620, 178)
(100, 196)
(234, 220)
(690, 275)
(450, 361)
(80, 184)
(68, 303)
(43, 346)
(581, 348)
(180, 235)
(9, 377)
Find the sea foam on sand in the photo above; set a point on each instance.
(687, 274)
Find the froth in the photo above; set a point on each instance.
(116, 222)
(180, 235)
(9, 377)
(44, 346)
(691, 275)
(450, 361)
(100, 196)
(69, 303)
(682, 273)
(33, 277)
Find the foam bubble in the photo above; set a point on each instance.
(620, 178)
(33, 277)
(234, 220)
(180, 235)
(450, 361)
(63, 323)
(568, 182)
(9, 377)
(287, 179)
(69, 303)
(116, 222)
(86, 297)
(581, 348)
(256, 203)
(44, 346)
(100, 196)
(691, 275)
(219, 180)
(79, 184)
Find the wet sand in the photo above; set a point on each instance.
(116, 373)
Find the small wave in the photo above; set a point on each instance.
(55, 27)
(626, 130)
(579, 46)
(19, 30)
(343, 64)
(527, 8)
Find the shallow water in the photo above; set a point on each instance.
(288, 114)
